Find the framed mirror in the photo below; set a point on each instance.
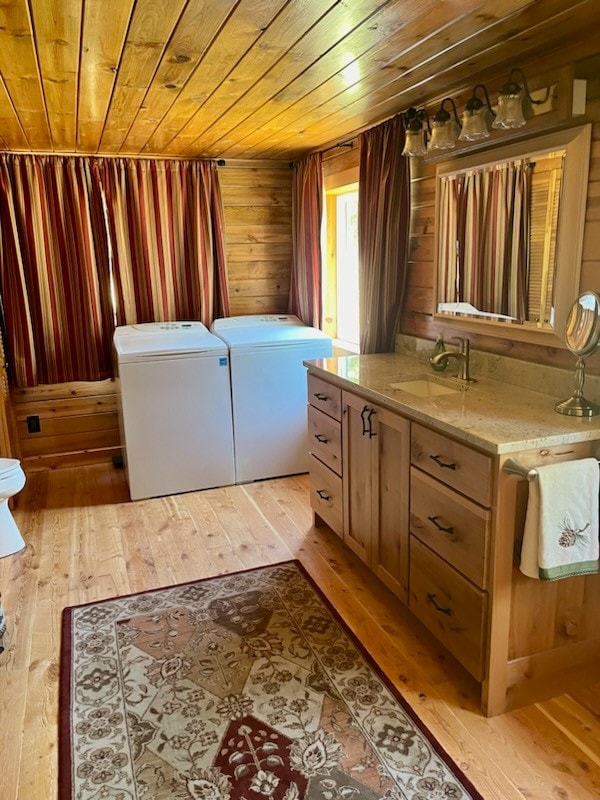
(509, 237)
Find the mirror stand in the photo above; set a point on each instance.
(577, 405)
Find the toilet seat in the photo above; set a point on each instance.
(9, 467)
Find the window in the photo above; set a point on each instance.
(340, 270)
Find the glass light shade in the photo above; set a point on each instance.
(475, 125)
(443, 135)
(510, 111)
(414, 144)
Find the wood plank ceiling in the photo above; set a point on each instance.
(250, 78)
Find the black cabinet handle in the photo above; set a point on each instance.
(321, 396)
(434, 520)
(367, 424)
(371, 432)
(323, 494)
(363, 413)
(320, 438)
(431, 598)
(442, 464)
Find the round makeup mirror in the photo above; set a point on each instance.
(582, 336)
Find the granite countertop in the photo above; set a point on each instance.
(496, 417)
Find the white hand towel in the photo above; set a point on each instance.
(561, 525)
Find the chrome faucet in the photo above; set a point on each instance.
(463, 356)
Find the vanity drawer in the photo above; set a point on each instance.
(325, 396)
(457, 465)
(326, 494)
(451, 607)
(452, 526)
(325, 439)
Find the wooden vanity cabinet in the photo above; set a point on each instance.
(376, 446)
(441, 524)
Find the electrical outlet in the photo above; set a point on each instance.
(33, 424)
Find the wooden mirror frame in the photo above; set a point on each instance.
(569, 241)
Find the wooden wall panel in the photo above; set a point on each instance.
(78, 424)
(257, 205)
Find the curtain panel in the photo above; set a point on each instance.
(165, 221)
(383, 227)
(54, 273)
(307, 214)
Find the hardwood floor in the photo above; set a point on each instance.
(87, 541)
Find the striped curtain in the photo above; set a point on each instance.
(383, 226)
(165, 221)
(485, 217)
(53, 271)
(307, 213)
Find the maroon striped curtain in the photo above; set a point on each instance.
(383, 222)
(165, 221)
(54, 271)
(307, 213)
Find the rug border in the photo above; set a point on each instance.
(66, 650)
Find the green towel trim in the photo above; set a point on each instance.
(569, 570)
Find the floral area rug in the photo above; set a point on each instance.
(245, 686)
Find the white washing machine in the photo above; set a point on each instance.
(175, 408)
(269, 391)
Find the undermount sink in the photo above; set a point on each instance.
(426, 386)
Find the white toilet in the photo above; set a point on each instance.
(12, 480)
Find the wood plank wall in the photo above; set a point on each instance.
(78, 421)
(418, 319)
(257, 204)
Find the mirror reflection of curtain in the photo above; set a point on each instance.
(485, 216)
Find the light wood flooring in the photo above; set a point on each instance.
(87, 541)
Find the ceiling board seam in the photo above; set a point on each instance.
(190, 76)
(159, 61)
(39, 72)
(240, 59)
(12, 105)
(310, 66)
(270, 69)
(116, 73)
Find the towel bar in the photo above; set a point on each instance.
(514, 468)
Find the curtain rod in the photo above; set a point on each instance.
(339, 144)
(220, 162)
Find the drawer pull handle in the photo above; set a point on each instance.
(431, 598)
(321, 396)
(443, 464)
(434, 520)
(367, 424)
(320, 438)
(323, 494)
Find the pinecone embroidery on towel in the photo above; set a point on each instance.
(569, 535)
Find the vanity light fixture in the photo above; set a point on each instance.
(444, 128)
(515, 101)
(477, 117)
(415, 143)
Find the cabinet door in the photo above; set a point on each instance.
(359, 465)
(391, 525)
